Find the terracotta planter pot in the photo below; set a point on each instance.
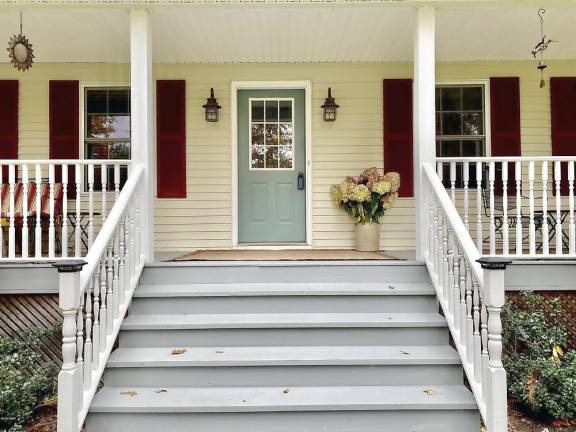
(368, 237)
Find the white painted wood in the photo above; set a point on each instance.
(519, 232)
(51, 226)
(11, 228)
(572, 230)
(77, 232)
(453, 181)
(143, 120)
(424, 112)
(479, 230)
(25, 210)
(38, 227)
(64, 218)
(532, 227)
(505, 226)
(558, 229)
(545, 228)
(103, 191)
(466, 180)
(491, 180)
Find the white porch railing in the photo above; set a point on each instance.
(471, 296)
(94, 297)
(515, 206)
(53, 209)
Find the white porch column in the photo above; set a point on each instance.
(143, 121)
(424, 113)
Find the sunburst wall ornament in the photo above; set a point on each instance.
(541, 47)
(20, 50)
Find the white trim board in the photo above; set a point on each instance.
(235, 86)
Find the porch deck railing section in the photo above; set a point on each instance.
(471, 295)
(515, 206)
(94, 295)
(53, 209)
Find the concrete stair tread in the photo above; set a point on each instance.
(281, 320)
(283, 289)
(271, 399)
(283, 355)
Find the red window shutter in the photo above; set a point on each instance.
(64, 124)
(563, 112)
(505, 123)
(398, 132)
(171, 138)
(8, 122)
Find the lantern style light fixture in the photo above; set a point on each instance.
(330, 107)
(211, 108)
(20, 50)
(540, 47)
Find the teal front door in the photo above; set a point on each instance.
(271, 158)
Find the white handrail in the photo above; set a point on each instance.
(471, 296)
(94, 301)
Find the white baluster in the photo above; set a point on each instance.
(505, 222)
(477, 338)
(491, 179)
(80, 339)
(103, 303)
(469, 339)
(110, 287)
(116, 269)
(12, 227)
(38, 229)
(445, 253)
(479, 233)
(455, 297)
(462, 305)
(88, 344)
(64, 239)
(122, 263)
(453, 182)
(51, 228)
(137, 240)
(466, 181)
(78, 227)
(127, 250)
(519, 232)
(532, 226)
(90, 204)
(25, 210)
(572, 230)
(484, 338)
(96, 332)
(448, 266)
(545, 229)
(104, 179)
(116, 181)
(558, 228)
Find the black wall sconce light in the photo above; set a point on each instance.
(330, 107)
(211, 108)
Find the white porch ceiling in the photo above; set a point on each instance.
(285, 33)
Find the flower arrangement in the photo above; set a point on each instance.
(367, 197)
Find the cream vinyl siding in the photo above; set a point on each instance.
(345, 147)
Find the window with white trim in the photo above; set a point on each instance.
(107, 133)
(461, 123)
(272, 134)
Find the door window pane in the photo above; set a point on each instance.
(271, 134)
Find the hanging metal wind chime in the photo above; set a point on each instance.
(541, 47)
(20, 50)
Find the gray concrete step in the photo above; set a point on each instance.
(288, 366)
(284, 297)
(281, 329)
(283, 409)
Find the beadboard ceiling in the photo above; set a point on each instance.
(290, 33)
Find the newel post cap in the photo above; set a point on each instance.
(494, 263)
(69, 283)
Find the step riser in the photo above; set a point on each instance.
(279, 376)
(343, 421)
(285, 337)
(292, 272)
(284, 304)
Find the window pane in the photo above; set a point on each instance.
(119, 101)
(450, 148)
(119, 150)
(451, 124)
(472, 124)
(286, 157)
(472, 148)
(257, 134)
(438, 96)
(286, 111)
(97, 150)
(451, 99)
(272, 134)
(286, 133)
(96, 101)
(257, 157)
(438, 123)
(271, 157)
(472, 98)
(258, 111)
(272, 111)
(97, 126)
(120, 127)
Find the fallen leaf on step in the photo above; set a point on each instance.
(286, 391)
(483, 429)
(404, 352)
(391, 287)
(219, 352)
(160, 391)
(129, 393)
(431, 392)
(178, 351)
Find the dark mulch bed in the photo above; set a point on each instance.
(45, 421)
(520, 422)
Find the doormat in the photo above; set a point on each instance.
(284, 255)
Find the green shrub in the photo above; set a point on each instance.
(541, 377)
(23, 383)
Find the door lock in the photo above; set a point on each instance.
(301, 180)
